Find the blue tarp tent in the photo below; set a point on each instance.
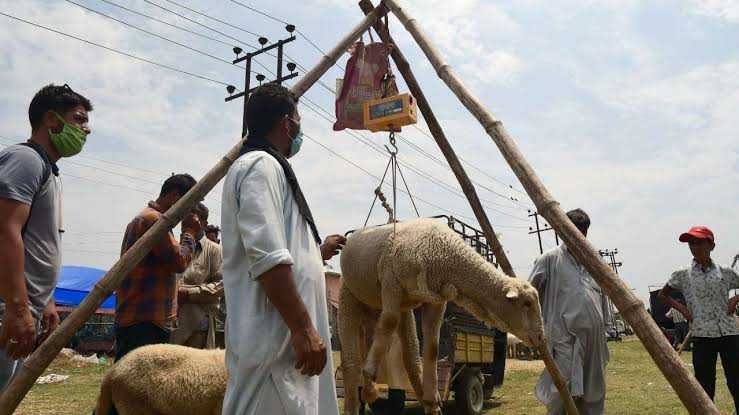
(75, 283)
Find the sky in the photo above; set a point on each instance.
(625, 109)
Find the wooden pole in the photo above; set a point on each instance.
(559, 381)
(438, 133)
(35, 364)
(685, 385)
(464, 181)
(688, 338)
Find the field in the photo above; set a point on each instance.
(635, 386)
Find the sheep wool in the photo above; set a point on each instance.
(395, 268)
(165, 379)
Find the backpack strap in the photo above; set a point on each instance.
(49, 168)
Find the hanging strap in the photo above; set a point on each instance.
(49, 168)
(260, 144)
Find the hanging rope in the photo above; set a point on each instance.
(394, 167)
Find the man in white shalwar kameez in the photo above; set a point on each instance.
(574, 310)
(273, 274)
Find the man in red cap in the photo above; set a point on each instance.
(706, 286)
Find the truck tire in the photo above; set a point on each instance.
(469, 393)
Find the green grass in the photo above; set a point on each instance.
(635, 386)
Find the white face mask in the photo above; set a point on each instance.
(297, 141)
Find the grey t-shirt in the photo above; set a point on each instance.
(21, 174)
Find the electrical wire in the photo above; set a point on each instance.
(146, 60)
(419, 172)
(212, 39)
(110, 49)
(323, 52)
(174, 42)
(210, 17)
(370, 174)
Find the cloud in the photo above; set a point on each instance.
(727, 10)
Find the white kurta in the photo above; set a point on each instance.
(574, 311)
(262, 228)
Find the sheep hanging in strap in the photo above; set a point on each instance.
(393, 269)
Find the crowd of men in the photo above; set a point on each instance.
(269, 273)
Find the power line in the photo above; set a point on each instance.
(319, 49)
(214, 30)
(164, 66)
(214, 195)
(211, 17)
(154, 34)
(167, 23)
(298, 31)
(365, 141)
(367, 172)
(110, 49)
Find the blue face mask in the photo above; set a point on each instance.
(297, 141)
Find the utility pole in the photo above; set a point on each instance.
(538, 230)
(611, 254)
(260, 77)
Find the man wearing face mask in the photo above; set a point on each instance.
(200, 289)
(277, 322)
(30, 221)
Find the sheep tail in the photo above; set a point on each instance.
(105, 400)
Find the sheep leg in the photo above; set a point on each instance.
(350, 334)
(411, 351)
(431, 325)
(386, 326)
(369, 389)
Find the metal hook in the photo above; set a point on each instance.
(394, 151)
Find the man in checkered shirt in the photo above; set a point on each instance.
(146, 302)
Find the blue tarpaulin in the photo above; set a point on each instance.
(75, 283)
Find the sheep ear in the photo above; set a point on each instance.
(512, 294)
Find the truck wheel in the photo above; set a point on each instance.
(468, 393)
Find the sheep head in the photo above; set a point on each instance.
(517, 311)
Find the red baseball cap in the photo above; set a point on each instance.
(697, 232)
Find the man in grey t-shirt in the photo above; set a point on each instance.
(30, 201)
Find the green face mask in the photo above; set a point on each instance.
(70, 140)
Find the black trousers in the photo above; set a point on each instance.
(141, 334)
(705, 352)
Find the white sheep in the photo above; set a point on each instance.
(390, 270)
(165, 379)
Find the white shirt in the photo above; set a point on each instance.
(262, 228)
(706, 293)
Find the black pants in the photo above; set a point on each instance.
(141, 334)
(705, 352)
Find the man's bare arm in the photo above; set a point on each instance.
(279, 285)
(18, 334)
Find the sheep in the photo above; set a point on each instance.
(390, 270)
(165, 379)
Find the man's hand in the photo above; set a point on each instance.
(50, 319)
(18, 334)
(731, 310)
(684, 311)
(309, 350)
(331, 246)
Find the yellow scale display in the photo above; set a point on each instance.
(389, 114)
